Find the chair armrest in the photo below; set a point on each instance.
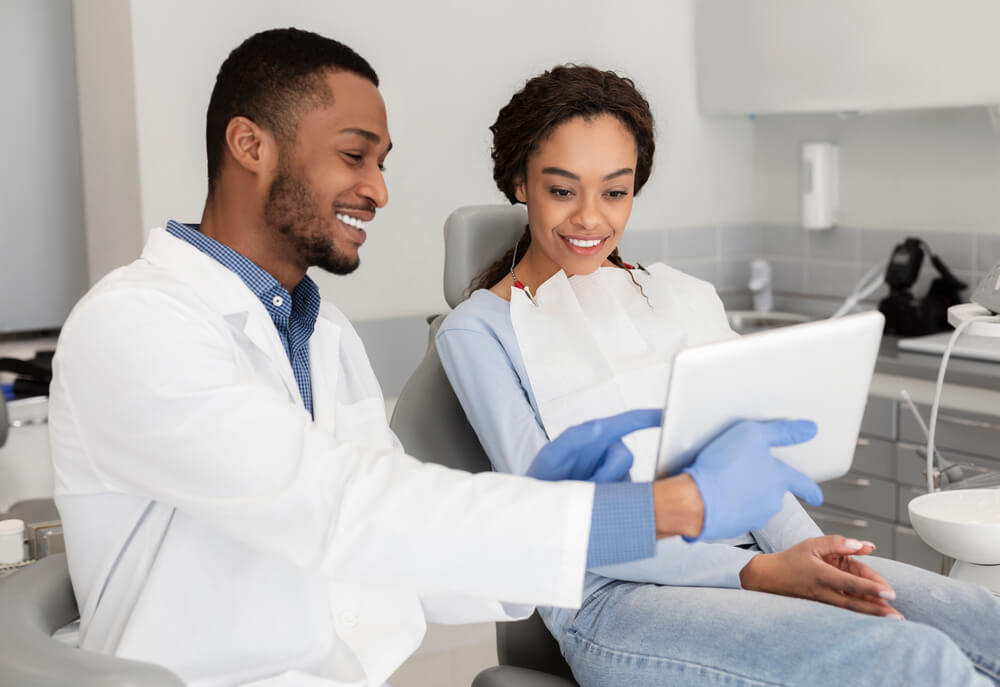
(509, 676)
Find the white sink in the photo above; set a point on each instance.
(963, 524)
(749, 321)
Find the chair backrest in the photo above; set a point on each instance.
(430, 422)
(36, 601)
(474, 237)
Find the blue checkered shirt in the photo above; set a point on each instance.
(294, 315)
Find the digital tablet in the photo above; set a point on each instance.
(819, 371)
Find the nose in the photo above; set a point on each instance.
(587, 215)
(373, 187)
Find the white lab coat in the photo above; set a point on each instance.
(213, 527)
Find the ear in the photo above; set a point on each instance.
(252, 147)
(519, 191)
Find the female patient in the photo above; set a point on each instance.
(561, 330)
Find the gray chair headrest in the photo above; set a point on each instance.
(474, 237)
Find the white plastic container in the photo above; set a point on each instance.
(820, 185)
(11, 541)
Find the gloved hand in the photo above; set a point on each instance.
(742, 485)
(593, 451)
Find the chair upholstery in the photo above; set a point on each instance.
(474, 237)
(430, 422)
(35, 602)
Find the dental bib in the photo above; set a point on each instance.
(593, 346)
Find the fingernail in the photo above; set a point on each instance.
(871, 544)
(897, 616)
(853, 544)
(888, 595)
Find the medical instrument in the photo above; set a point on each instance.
(987, 293)
(819, 371)
(11, 541)
(961, 523)
(866, 286)
(907, 315)
(518, 284)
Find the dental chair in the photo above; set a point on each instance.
(432, 426)
(37, 600)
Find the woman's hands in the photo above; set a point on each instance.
(823, 569)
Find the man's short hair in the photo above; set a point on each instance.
(273, 78)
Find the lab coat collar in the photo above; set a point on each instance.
(224, 292)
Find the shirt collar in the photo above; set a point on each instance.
(304, 300)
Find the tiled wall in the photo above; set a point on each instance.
(810, 263)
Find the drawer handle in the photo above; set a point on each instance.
(853, 482)
(44, 420)
(840, 520)
(965, 422)
(864, 442)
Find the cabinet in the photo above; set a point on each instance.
(870, 502)
(798, 56)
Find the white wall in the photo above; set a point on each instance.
(446, 68)
(935, 170)
(43, 269)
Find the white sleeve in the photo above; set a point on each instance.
(164, 411)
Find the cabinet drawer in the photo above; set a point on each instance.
(965, 432)
(879, 419)
(834, 521)
(910, 466)
(875, 457)
(910, 548)
(862, 493)
(907, 494)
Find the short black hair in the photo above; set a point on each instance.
(271, 79)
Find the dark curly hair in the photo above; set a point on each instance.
(546, 101)
(272, 79)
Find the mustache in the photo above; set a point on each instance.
(367, 207)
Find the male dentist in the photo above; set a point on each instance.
(234, 504)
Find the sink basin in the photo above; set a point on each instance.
(963, 524)
(750, 321)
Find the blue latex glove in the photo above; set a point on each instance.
(742, 485)
(593, 451)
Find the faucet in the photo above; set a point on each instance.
(760, 285)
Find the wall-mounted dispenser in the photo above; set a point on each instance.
(820, 185)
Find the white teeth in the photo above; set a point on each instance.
(354, 222)
(584, 244)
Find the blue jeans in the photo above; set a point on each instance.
(632, 635)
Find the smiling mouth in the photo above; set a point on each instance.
(586, 247)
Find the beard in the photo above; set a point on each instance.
(292, 210)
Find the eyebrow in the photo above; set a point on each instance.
(569, 175)
(367, 135)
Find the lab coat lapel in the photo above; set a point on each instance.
(226, 294)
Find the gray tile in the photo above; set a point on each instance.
(956, 249)
(732, 275)
(788, 276)
(830, 278)
(839, 243)
(740, 240)
(691, 242)
(987, 251)
(703, 269)
(784, 241)
(643, 246)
